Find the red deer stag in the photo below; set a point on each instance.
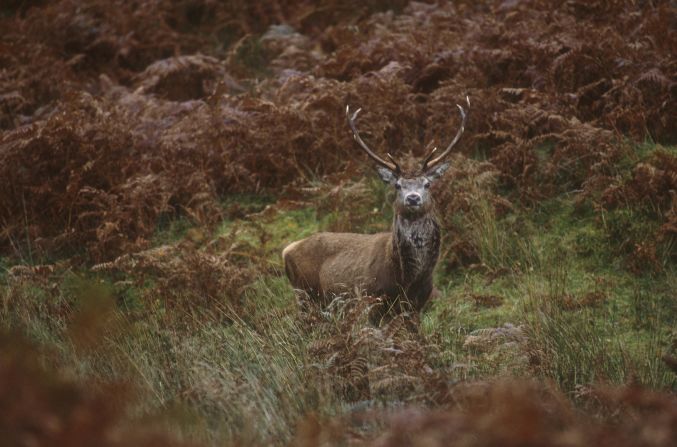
(397, 265)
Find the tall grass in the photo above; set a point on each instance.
(578, 346)
(222, 370)
(220, 376)
(586, 322)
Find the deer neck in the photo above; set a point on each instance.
(416, 246)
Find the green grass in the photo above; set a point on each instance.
(245, 380)
(561, 256)
(248, 374)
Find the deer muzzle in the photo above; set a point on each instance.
(413, 199)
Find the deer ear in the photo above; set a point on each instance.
(386, 175)
(437, 171)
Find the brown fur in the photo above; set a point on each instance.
(394, 265)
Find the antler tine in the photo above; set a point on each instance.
(428, 163)
(394, 167)
(397, 165)
(430, 155)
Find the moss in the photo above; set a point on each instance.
(171, 229)
(599, 321)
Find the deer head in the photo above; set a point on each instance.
(412, 189)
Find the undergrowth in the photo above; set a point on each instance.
(214, 368)
(156, 157)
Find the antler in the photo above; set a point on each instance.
(392, 165)
(429, 162)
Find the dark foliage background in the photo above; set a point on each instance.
(115, 114)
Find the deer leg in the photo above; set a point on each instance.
(420, 292)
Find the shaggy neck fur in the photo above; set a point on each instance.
(416, 246)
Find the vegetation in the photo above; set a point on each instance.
(156, 157)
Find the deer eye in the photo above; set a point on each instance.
(426, 185)
(398, 186)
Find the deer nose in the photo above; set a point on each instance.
(413, 199)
